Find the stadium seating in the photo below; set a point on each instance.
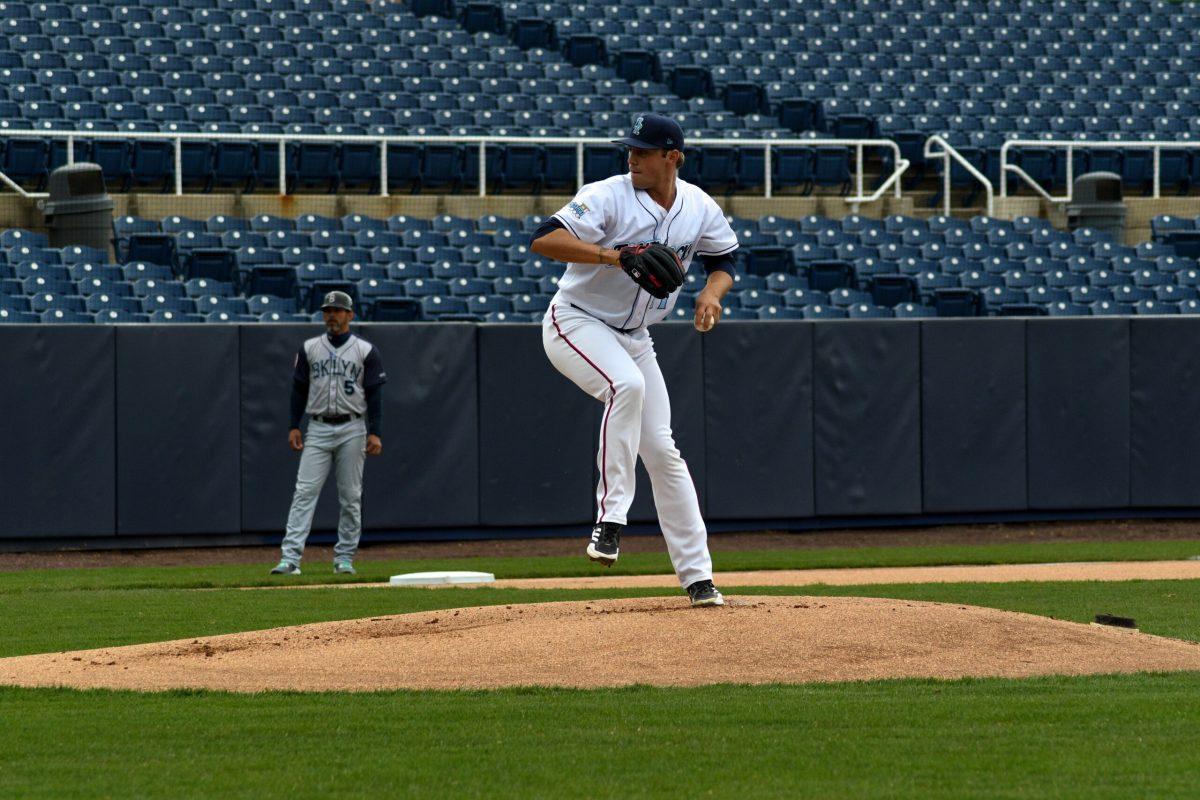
(227, 269)
(729, 69)
(1100, 68)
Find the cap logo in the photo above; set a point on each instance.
(330, 298)
(637, 126)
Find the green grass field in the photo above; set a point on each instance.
(1107, 736)
(212, 577)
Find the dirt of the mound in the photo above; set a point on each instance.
(658, 641)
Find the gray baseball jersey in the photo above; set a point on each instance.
(613, 213)
(337, 376)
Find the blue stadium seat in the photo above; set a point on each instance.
(782, 282)
(824, 312)
(530, 303)
(260, 305)
(957, 303)
(801, 115)
(425, 287)
(396, 309)
(831, 167)
(798, 298)
(768, 312)
(187, 241)
(843, 298)
(1062, 309)
(826, 275)
(584, 49)
(867, 311)
(215, 264)
(47, 301)
(892, 290)
(76, 254)
(310, 223)
(311, 272)
(151, 248)
(531, 32)
(437, 306)
(62, 316)
(88, 271)
(27, 162)
(914, 310)
(600, 162)
(441, 167)
(271, 280)
(202, 287)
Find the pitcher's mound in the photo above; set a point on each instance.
(660, 641)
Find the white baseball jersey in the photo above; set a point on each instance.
(337, 375)
(612, 213)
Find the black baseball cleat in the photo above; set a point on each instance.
(605, 545)
(703, 593)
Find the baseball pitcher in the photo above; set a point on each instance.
(628, 241)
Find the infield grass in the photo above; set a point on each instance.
(369, 571)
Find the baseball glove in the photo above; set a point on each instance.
(654, 267)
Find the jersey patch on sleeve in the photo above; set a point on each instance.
(578, 209)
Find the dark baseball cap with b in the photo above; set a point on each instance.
(337, 300)
(653, 132)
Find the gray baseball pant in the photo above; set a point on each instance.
(344, 446)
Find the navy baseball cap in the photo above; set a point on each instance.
(338, 300)
(654, 132)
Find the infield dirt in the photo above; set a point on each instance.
(601, 643)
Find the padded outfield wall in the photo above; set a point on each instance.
(180, 431)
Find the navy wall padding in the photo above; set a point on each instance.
(1165, 411)
(679, 351)
(867, 413)
(57, 470)
(428, 473)
(758, 404)
(181, 431)
(536, 448)
(973, 415)
(1078, 413)
(268, 464)
(178, 409)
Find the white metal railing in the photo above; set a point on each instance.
(947, 153)
(1070, 145)
(282, 140)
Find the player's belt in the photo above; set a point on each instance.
(593, 316)
(336, 420)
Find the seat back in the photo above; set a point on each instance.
(956, 302)
(826, 276)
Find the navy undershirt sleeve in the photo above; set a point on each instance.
(721, 263)
(373, 379)
(299, 401)
(551, 224)
(375, 409)
(299, 398)
(301, 370)
(373, 373)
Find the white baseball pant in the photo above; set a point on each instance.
(343, 446)
(621, 370)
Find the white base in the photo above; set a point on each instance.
(440, 578)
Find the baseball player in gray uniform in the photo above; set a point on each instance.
(595, 332)
(338, 380)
